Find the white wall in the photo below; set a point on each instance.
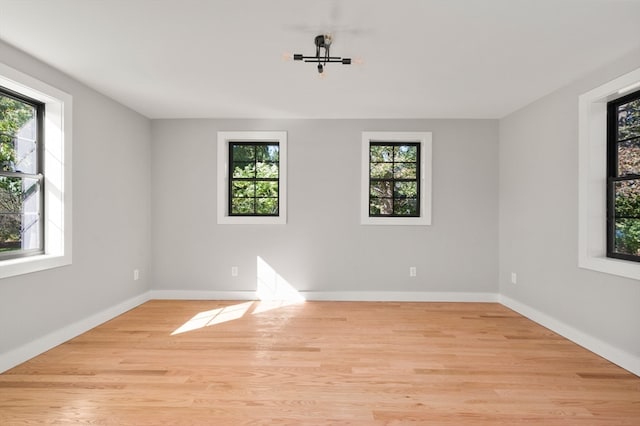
(539, 229)
(111, 226)
(323, 248)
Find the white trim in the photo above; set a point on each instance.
(202, 295)
(425, 140)
(342, 296)
(57, 173)
(617, 356)
(25, 352)
(398, 296)
(223, 177)
(592, 178)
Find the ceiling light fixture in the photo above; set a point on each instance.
(322, 56)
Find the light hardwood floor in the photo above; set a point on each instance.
(316, 363)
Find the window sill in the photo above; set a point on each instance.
(27, 265)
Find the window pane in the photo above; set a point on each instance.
(270, 153)
(267, 206)
(381, 170)
(406, 207)
(380, 153)
(405, 190)
(627, 198)
(266, 189)
(380, 189)
(629, 158)
(267, 170)
(406, 153)
(243, 189)
(629, 120)
(380, 206)
(18, 131)
(242, 205)
(243, 152)
(244, 170)
(404, 170)
(19, 214)
(627, 237)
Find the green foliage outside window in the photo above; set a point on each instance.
(254, 183)
(14, 116)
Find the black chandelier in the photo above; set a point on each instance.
(322, 56)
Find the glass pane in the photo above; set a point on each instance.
(380, 206)
(627, 199)
(19, 214)
(266, 189)
(406, 153)
(380, 189)
(629, 120)
(243, 152)
(380, 153)
(242, 206)
(406, 207)
(18, 130)
(243, 189)
(629, 158)
(244, 170)
(626, 238)
(405, 190)
(269, 153)
(267, 206)
(381, 170)
(404, 170)
(267, 170)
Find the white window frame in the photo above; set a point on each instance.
(592, 178)
(57, 173)
(224, 138)
(425, 141)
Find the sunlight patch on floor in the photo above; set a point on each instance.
(273, 292)
(213, 317)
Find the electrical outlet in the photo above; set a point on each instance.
(412, 271)
(136, 274)
(234, 271)
(514, 278)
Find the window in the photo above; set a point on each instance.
(593, 178)
(623, 171)
(21, 180)
(396, 178)
(35, 174)
(254, 178)
(252, 173)
(394, 187)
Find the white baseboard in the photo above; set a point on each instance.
(617, 356)
(201, 295)
(338, 296)
(398, 296)
(25, 352)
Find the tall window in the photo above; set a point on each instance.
(394, 187)
(395, 178)
(252, 178)
(21, 178)
(623, 171)
(254, 181)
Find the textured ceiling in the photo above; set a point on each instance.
(417, 58)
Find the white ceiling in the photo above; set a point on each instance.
(420, 58)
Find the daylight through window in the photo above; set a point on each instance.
(623, 166)
(21, 178)
(394, 187)
(254, 178)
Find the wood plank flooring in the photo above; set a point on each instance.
(316, 363)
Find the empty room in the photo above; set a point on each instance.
(347, 212)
